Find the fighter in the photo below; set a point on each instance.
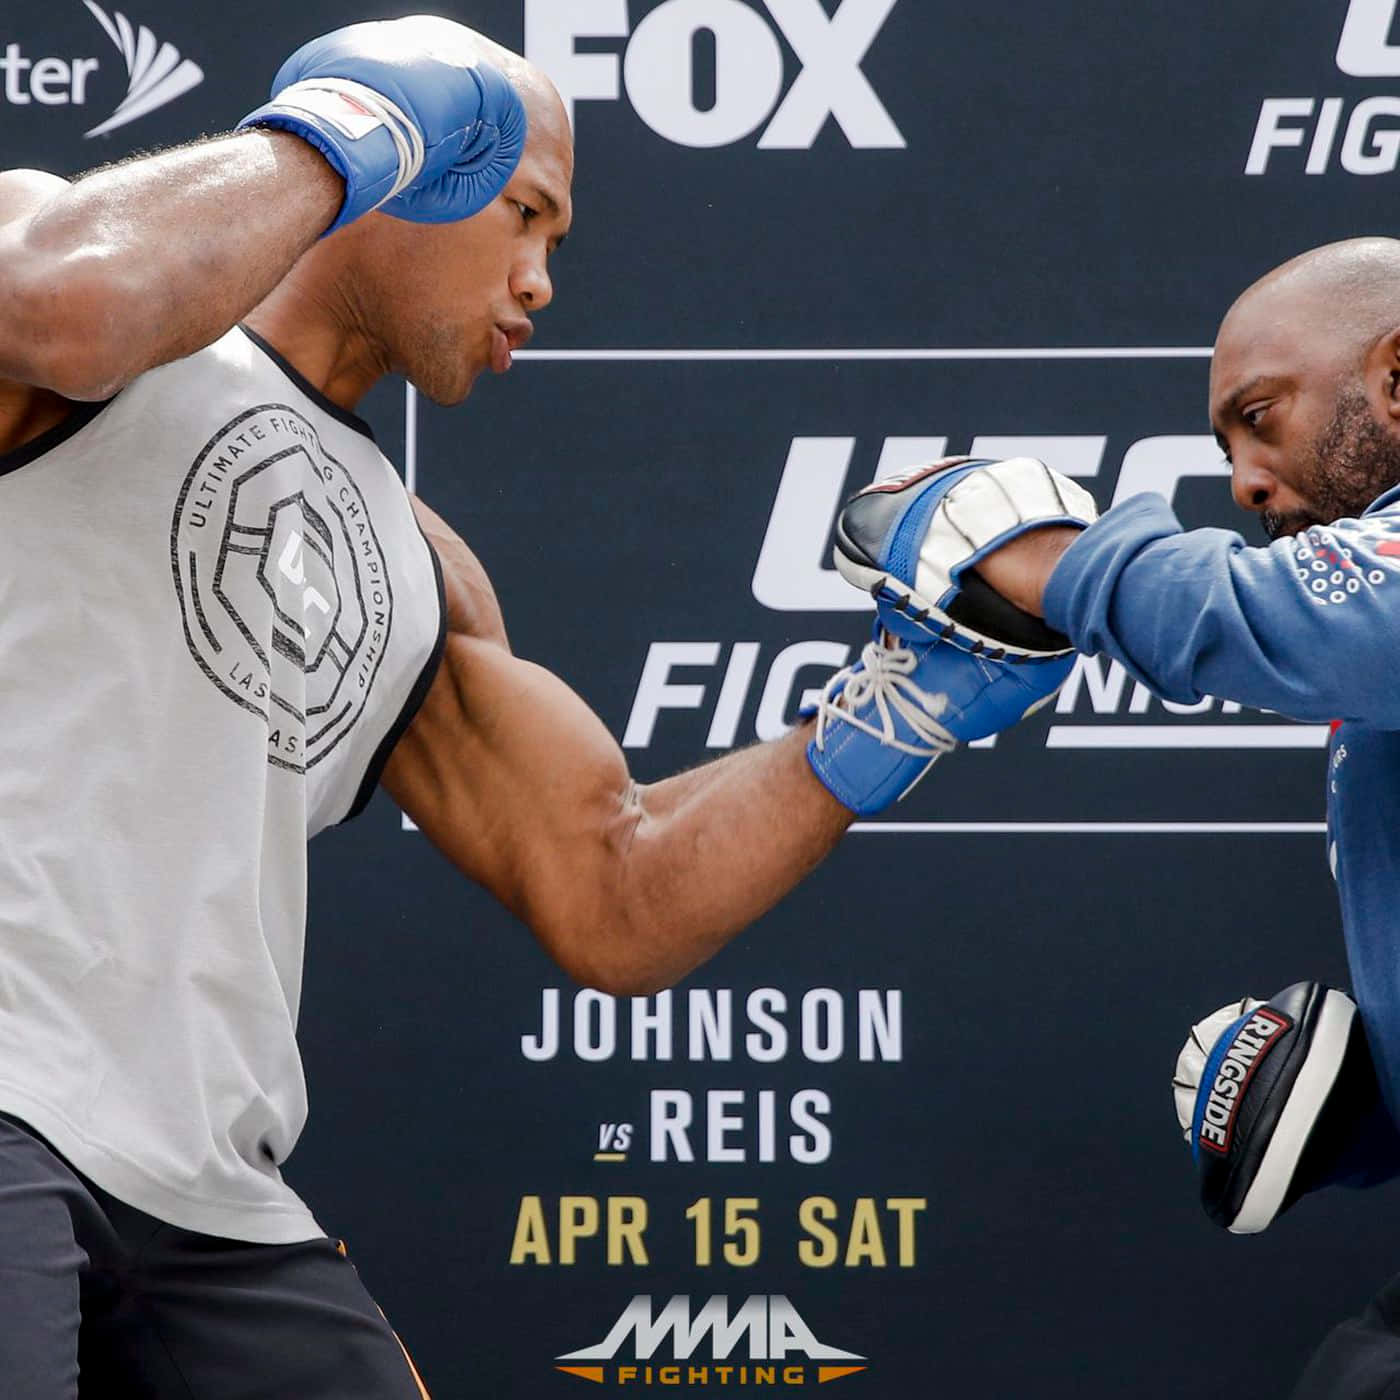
(223, 622)
(1282, 1097)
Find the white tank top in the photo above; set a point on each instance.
(217, 615)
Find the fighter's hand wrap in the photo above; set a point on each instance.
(407, 113)
(1279, 1098)
(883, 722)
(913, 542)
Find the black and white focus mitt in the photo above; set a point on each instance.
(1279, 1098)
(913, 542)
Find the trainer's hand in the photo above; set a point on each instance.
(1019, 571)
(407, 112)
(920, 544)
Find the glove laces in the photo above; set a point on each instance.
(885, 680)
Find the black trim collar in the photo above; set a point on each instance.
(412, 705)
(79, 416)
(341, 415)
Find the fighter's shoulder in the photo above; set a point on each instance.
(22, 194)
(24, 191)
(472, 608)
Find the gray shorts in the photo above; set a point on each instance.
(100, 1300)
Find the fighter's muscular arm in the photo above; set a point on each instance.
(628, 886)
(152, 259)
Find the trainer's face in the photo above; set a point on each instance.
(1310, 436)
(465, 293)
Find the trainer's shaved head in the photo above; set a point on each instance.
(1347, 294)
(1305, 385)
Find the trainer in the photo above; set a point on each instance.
(1284, 1096)
(223, 621)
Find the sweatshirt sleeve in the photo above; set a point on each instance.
(1308, 626)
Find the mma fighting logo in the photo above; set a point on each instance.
(774, 1335)
(155, 73)
(282, 582)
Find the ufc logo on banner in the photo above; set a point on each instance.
(1365, 50)
(794, 573)
(1357, 134)
(658, 68)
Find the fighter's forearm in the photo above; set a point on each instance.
(152, 259)
(628, 886)
(715, 848)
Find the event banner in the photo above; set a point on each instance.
(912, 1133)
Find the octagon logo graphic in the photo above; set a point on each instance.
(282, 582)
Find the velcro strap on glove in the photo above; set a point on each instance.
(365, 137)
(914, 540)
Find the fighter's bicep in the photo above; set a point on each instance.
(511, 776)
(472, 607)
(438, 771)
(435, 772)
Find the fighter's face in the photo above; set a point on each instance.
(1303, 427)
(463, 294)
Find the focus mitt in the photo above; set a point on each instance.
(1279, 1098)
(913, 543)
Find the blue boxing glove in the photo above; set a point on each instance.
(884, 722)
(407, 112)
(951, 660)
(914, 542)
(1278, 1099)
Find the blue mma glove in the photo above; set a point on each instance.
(913, 542)
(407, 113)
(1278, 1099)
(884, 722)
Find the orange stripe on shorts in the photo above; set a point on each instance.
(422, 1389)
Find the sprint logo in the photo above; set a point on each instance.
(155, 73)
(762, 1342)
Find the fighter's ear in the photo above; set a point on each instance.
(1388, 351)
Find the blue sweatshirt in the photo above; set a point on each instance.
(1310, 627)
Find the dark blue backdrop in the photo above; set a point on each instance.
(1056, 909)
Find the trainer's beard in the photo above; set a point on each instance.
(1353, 461)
